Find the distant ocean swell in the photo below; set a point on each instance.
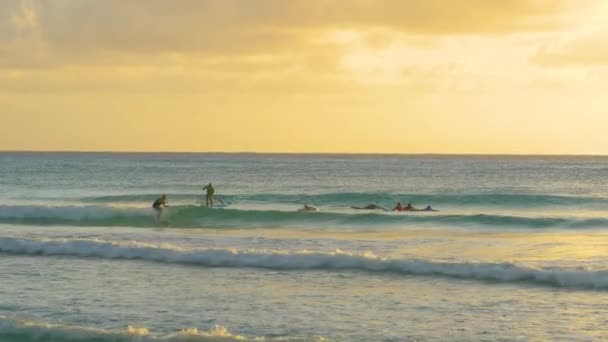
(349, 199)
(200, 217)
(18, 330)
(303, 260)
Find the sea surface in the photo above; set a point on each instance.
(518, 250)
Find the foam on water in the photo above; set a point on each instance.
(306, 260)
(19, 330)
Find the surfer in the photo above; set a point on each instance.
(428, 208)
(308, 208)
(209, 196)
(370, 207)
(398, 207)
(158, 206)
(408, 207)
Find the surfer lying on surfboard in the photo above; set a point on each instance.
(371, 206)
(428, 208)
(409, 207)
(307, 207)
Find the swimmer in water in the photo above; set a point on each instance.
(158, 206)
(398, 207)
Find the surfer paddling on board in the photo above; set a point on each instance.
(398, 207)
(209, 196)
(370, 207)
(308, 208)
(409, 207)
(158, 206)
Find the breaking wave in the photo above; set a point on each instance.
(303, 260)
(18, 330)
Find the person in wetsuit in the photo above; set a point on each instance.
(158, 206)
(308, 208)
(370, 207)
(209, 196)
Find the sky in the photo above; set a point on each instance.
(341, 76)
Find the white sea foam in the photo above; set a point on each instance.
(12, 329)
(70, 212)
(304, 260)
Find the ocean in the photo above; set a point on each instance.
(517, 251)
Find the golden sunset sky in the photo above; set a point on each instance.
(357, 76)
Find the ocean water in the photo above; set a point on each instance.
(517, 251)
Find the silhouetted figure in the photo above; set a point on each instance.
(209, 197)
(158, 206)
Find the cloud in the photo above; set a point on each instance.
(579, 45)
(583, 49)
(218, 45)
(252, 26)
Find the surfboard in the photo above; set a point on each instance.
(312, 209)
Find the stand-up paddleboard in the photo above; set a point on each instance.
(217, 203)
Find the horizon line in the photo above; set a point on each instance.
(313, 153)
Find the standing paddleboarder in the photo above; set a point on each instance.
(209, 197)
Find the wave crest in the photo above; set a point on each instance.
(285, 260)
(346, 199)
(16, 330)
(200, 217)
